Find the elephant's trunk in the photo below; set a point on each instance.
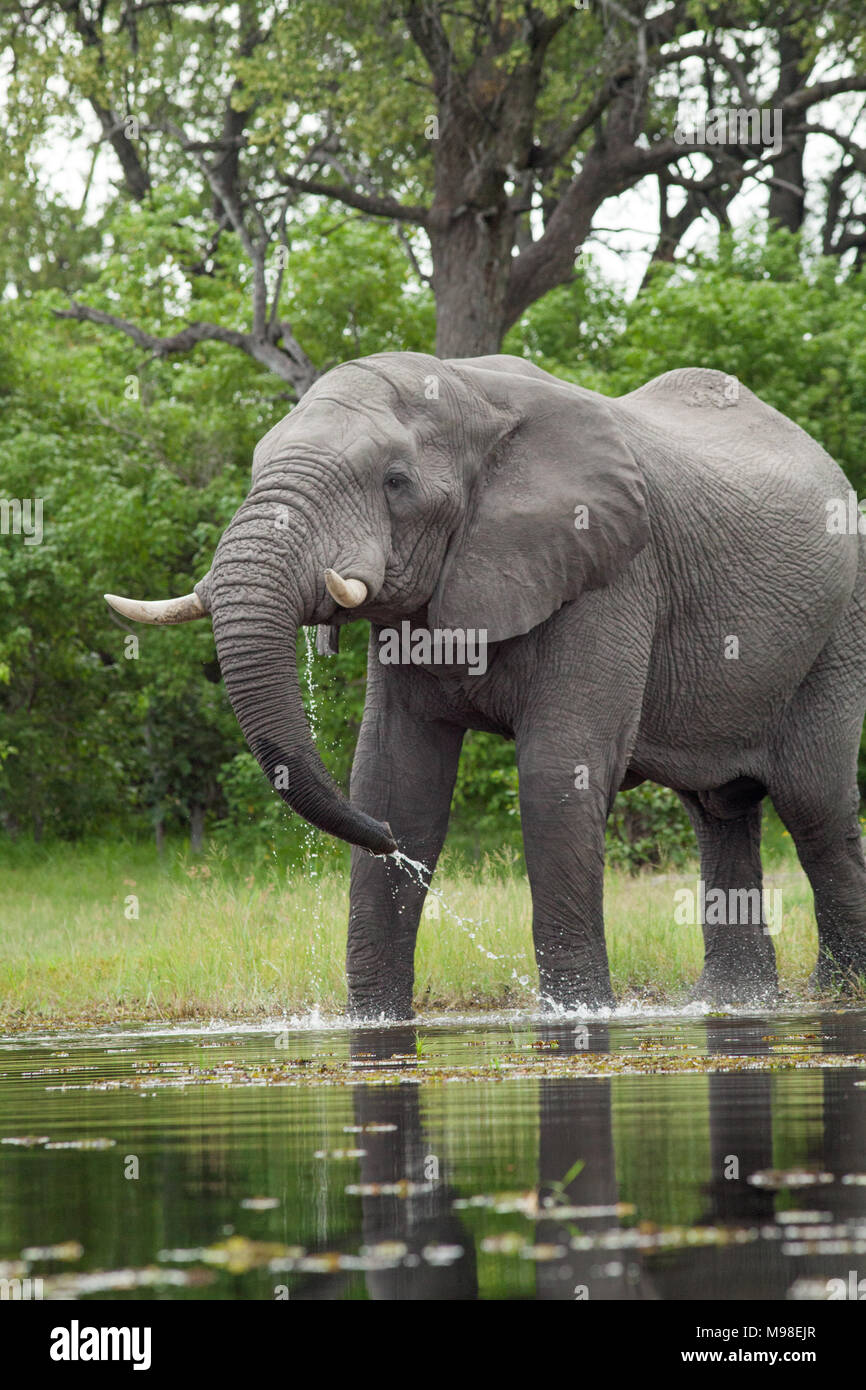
(255, 626)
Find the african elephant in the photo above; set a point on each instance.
(664, 597)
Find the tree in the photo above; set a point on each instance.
(487, 136)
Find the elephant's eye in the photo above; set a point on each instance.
(396, 482)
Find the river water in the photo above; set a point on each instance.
(641, 1156)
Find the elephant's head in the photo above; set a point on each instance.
(401, 484)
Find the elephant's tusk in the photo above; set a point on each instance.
(349, 593)
(162, 611)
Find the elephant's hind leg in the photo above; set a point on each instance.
(814, 789)
(826, 834)
(739, 959)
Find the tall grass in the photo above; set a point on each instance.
(212, 939)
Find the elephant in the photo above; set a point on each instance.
(663, 595)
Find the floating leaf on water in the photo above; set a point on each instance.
(182, 1256)
(403, 1070)
(385, 1250)
(509, 1243)
(567, 1213)
(813, 1233)
(840, 1246)
(505, 1203)
(66, 1286)
(402, 1188)
(330, 1262)
(788, 1177)
(803, 1218)
(647, 1237)
(238, 1254)
(810, 1290)
(441, 1256)
(85, 1144)
(65, 1250)
(542, 1252)
(340, 1153)
(369, 1129)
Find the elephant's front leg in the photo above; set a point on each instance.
(566, 786)
(403, 773)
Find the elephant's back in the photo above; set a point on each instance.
(734, 465)
(724, 426)
(740, 523)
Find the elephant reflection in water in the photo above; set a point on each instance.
(575, 1118)
(747, 1135)
(575, 1121)
(425, 1218)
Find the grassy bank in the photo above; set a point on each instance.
(211, 940)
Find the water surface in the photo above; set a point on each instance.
(643, 1156)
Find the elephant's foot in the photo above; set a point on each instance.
(721, 990)
(738, 971)
(575, 991)
(718, 985)
(380, 1005)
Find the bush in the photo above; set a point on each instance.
(648, 827)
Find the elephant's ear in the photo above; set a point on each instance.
(557, 506)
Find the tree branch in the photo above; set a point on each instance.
(291, 365)
(820, 91)
(374, 205)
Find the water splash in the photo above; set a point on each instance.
(310, 834)
(419, 872)
(312, 705)
(415, 868)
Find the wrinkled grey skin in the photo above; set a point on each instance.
(609, 645)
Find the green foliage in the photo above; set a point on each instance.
(254, 815)
(351, 292)
(485, 802)
(648, 828)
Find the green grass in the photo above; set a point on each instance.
(212, 940)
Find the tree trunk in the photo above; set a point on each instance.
(787, 204)
(196, 828)
(471, 265)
